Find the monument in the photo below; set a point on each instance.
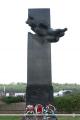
(39, 79)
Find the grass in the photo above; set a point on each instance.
(19, 118)
(9, 118)
(68, 118)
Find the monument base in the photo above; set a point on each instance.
(39, 94)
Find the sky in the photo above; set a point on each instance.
(13, 39)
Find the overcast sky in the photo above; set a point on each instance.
(13, 39)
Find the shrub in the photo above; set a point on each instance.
(12, 99)
(69, 103)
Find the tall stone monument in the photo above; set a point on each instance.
(39, 79)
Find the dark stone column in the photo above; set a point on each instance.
(39, 82)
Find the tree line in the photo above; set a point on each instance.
(21, 87)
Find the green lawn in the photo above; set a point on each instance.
(9, 118)
(19, 118)
(68, 118)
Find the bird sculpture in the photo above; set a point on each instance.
(43, 30)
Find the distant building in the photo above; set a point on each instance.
(56, 94)
(62, 93)
(15, 94)
(7, 94)
(19, 94)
